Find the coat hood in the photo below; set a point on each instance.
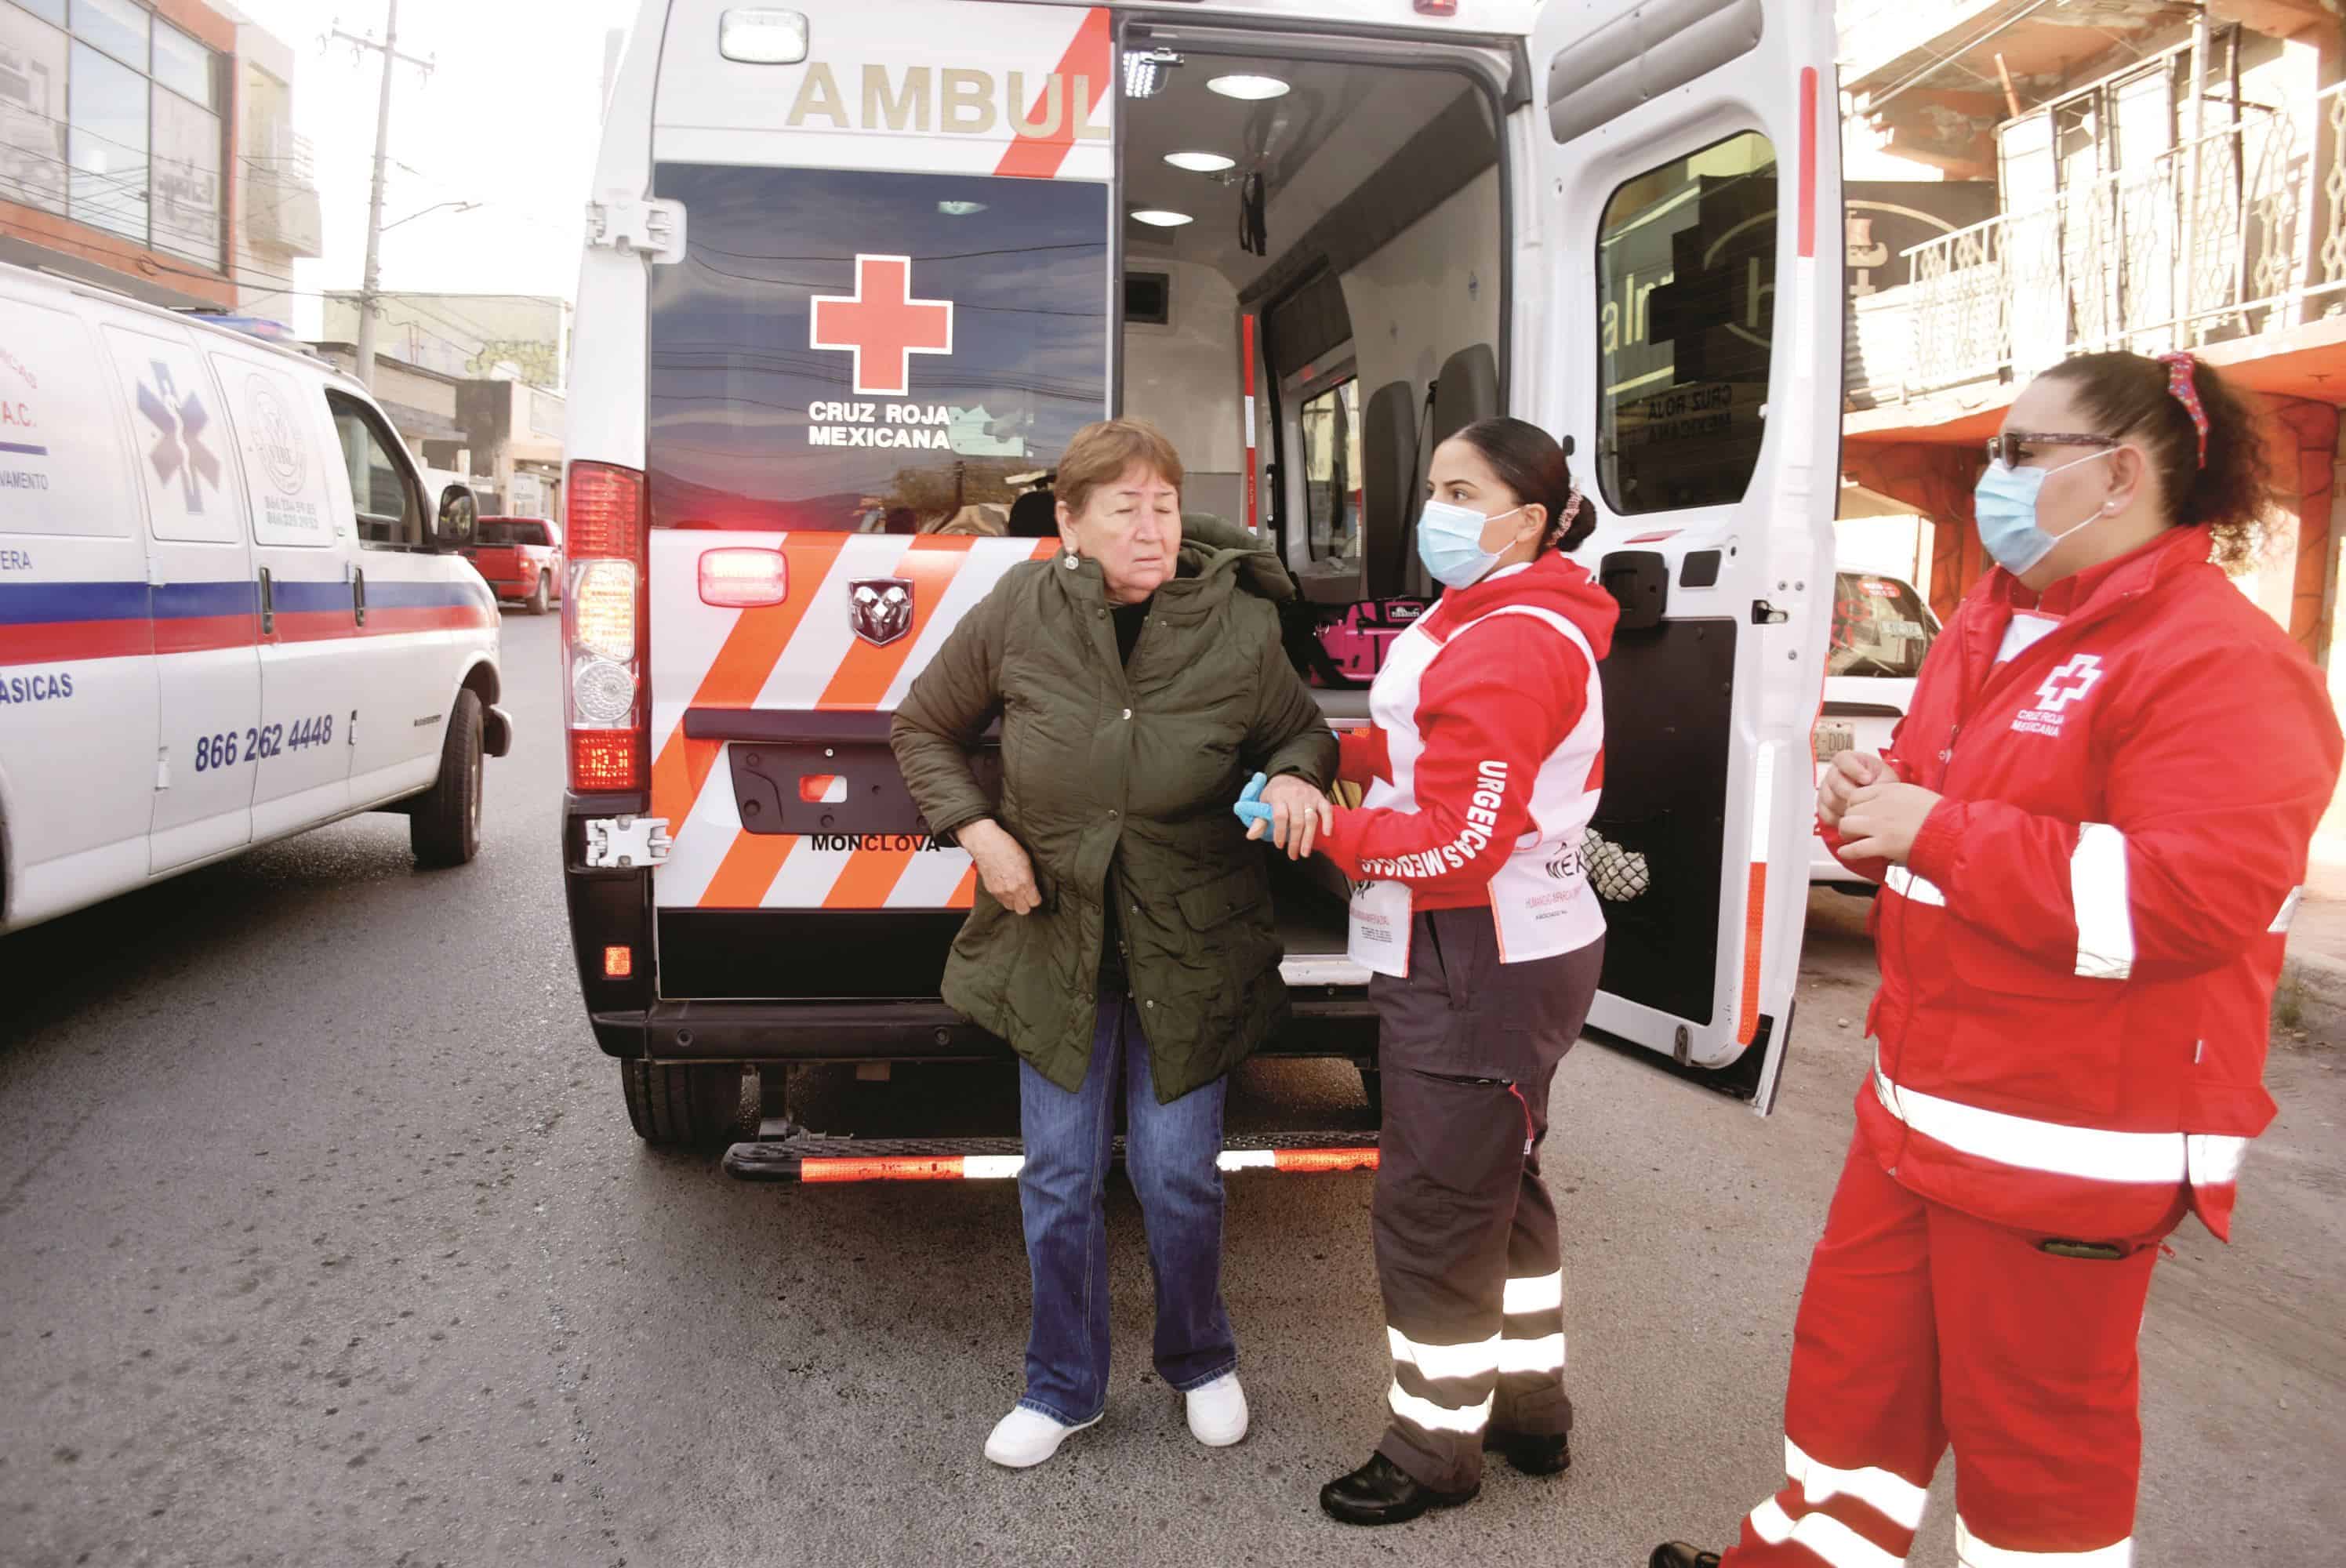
(1554, 581)
(1210, 546)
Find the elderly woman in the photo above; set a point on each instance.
(1122, 939)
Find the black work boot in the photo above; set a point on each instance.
(1678, 1554)
(1544, 1454)
(1381, 1492)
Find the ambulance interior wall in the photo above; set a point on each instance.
(1184, 379)
(1431, 290)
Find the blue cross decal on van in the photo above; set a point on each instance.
(180, 423)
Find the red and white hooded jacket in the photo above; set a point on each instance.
(1484, 765)
(2078, 958)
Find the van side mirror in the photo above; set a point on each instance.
(459, 518)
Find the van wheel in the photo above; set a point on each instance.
(689, 1106)
(537, 602)
(444, 826)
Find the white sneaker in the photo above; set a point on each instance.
(1028, 1436)
(1217, 1412)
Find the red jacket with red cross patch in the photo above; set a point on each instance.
(2078, 960)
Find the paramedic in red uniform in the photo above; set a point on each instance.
(1476, 918)
(2090, 833)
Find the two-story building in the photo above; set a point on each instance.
(2164, 177)
(137, 150)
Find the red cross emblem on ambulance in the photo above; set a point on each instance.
(882, 325)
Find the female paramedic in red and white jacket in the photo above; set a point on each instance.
(1474, 915)
(2090, 832)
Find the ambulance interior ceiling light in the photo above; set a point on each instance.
(1249, 88)
(762, 35)
(1158, 218)
(1201, 162)
(1145, 71)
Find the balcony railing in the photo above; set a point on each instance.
(281, 194)
(2236, 234)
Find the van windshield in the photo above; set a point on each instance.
(868, 352)
(1881, 628)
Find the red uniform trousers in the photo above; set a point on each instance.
(1919, 1326)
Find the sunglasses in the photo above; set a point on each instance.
(2013, 446)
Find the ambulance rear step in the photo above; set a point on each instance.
(784, 1151)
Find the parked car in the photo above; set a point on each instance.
(1881, 630)
(521, 559)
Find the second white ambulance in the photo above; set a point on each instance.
(229, 609)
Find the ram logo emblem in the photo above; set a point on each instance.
(880, 608)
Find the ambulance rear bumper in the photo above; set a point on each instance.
(1340, 1023)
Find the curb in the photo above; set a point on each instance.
(2309, 1002)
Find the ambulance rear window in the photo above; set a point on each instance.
(870, 352)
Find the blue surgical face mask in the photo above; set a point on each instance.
(2004, 502)
(1450, 542)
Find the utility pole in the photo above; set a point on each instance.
(369, 283)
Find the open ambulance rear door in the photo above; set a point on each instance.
(1685, 264)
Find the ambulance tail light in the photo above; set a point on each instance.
(744, 579)
(603, 630)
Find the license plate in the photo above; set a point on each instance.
(1832, 739)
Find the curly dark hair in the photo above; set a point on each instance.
(1528, 462)
(2231, 494)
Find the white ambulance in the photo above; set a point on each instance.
(228, 608)
(856, 271)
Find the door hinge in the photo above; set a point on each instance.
(635, 223)
(1764, 614)
(162, 768)
(622, 841)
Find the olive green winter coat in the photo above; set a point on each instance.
(1119, 782)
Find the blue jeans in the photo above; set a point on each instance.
(1171, 1153)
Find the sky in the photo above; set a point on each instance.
(508, 118)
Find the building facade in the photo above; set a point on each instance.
(278, 221)
(519, 337)
(122, 148)
(513, 432)
(2163, 177)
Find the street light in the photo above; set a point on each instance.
(459, 206)
(368, 289)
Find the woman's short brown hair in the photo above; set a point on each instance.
(1101, 451)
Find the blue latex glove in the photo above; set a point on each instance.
(1251, 808)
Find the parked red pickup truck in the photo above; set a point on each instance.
(521, 558)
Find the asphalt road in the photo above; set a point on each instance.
(323, 1240)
